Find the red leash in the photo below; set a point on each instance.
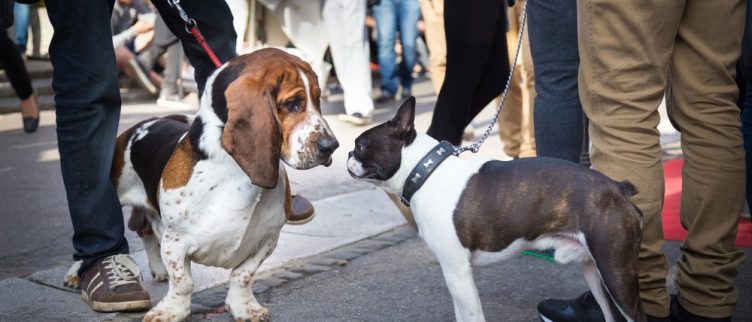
(192, 28)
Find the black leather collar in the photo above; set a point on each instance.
(424, 169)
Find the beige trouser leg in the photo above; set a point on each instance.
(516, 120)
(433, 16)
(702, 103)
(626, 48)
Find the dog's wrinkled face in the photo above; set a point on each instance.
(378, 152)
(273, 113)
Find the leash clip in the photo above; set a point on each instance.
(190, 23)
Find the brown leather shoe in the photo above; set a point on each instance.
(302, 211)
(113, 284)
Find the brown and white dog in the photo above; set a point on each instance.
(474, 211)
(213, 191)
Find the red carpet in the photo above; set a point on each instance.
(672, 228)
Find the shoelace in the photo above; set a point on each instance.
(121, 270)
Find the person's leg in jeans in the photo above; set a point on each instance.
(477, 65)
(408, 16)
(701, 102)
(21, 15)
(87, 106)
(552, 30)
(386, 26)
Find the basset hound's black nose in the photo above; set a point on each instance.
(327, 145)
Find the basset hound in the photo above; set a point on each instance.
(213, 190)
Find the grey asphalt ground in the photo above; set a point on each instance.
(404, 283)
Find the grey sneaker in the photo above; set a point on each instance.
(114, 284)
(172, 101)
(356, 119)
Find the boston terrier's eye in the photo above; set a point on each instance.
(359, 148)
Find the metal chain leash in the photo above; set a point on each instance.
(475, 147)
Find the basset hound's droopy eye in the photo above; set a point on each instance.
(292, 106)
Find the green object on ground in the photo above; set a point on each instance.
(546, 254)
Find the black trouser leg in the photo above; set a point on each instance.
(477, 65)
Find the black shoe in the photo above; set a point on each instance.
(582, 309)
(679, 313)
(385, 98)
(651, 318)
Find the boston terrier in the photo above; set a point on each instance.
(475, 212)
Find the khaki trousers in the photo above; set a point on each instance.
(632, 53)
(516, 119)
(433, 17)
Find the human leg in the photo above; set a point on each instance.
(702, 105)
(386, 28)
(409, 14)
(433, 16)
(21, 15)
(345, 23)
(625, 49)
(14, 67)
(87, 102)
(466, 89)
(557, 114)
(214, 19)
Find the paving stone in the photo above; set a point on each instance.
(271, 281)
(288, 275)
(346, 255)
(323, 261)
(309, 269)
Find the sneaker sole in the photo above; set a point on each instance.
(544, 319)
(140, 305)
(173, 104)
(302, 221)
(353, 120)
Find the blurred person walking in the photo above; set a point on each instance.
(348, 43)
(393, 16)
(15, 69)
(477, 65)
(516, 119)
(433, 17)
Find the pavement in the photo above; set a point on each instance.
(357, 260)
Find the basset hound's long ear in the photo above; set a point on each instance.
(252, 134)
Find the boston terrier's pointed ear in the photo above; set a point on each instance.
(405, 116)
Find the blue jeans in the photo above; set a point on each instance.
(392, 16)
(87, 106)
(558, 114)
(21, 13)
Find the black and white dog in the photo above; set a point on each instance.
(474, 211)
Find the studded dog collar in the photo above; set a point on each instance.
(424, 169)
